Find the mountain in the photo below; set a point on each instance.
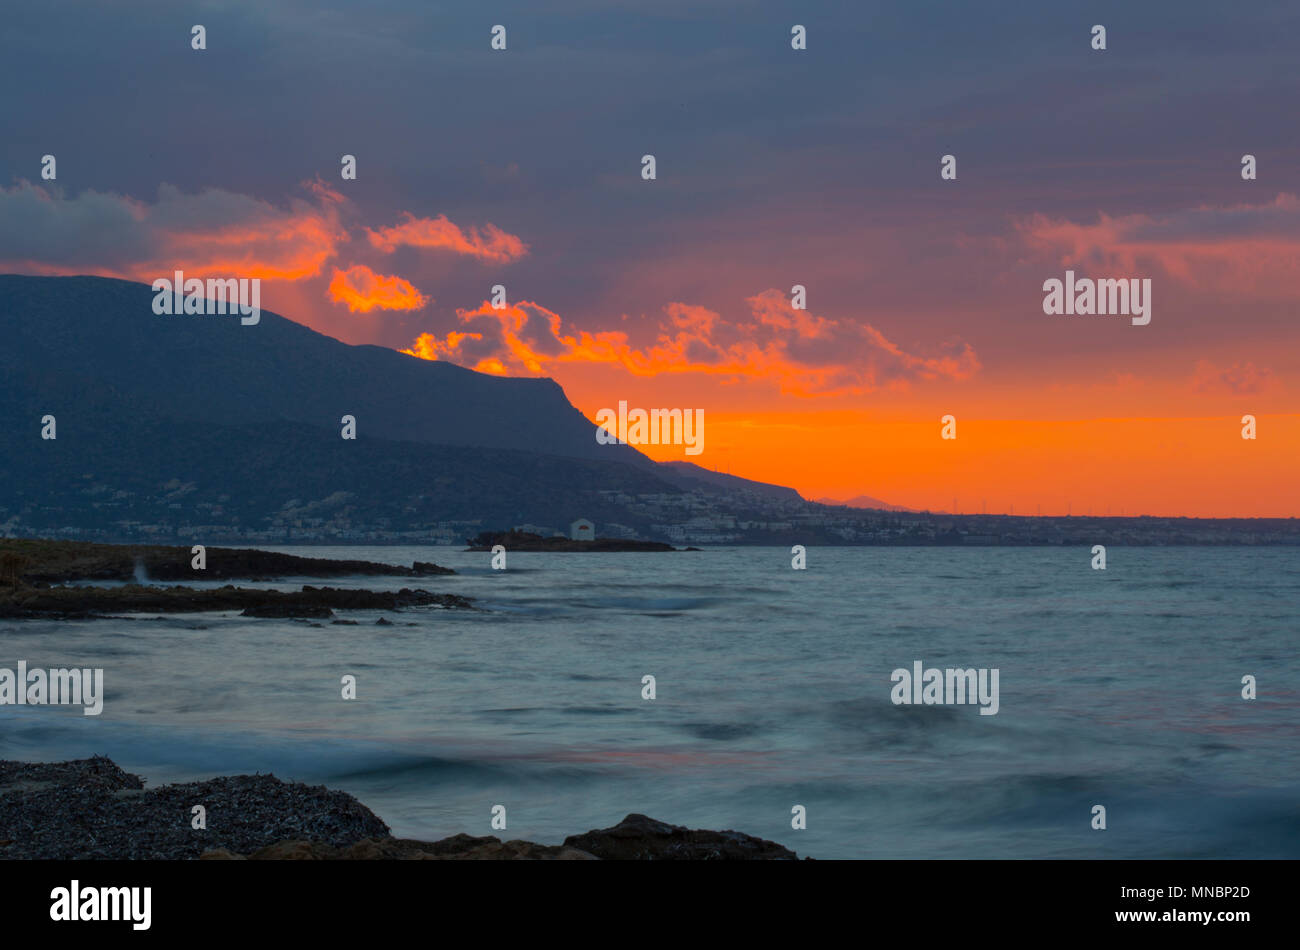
(168, 423)
(213, 369)
(864, 501)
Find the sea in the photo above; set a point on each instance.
(773, 698)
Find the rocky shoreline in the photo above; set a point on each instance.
(29, 567)
(311, 602)
(38, 561)
(90, 809)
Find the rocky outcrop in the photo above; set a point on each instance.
(457, 848)
(311, 601)
(421, 568)
(92, 809)
(638, 838)
(43, 561)
(635, 838)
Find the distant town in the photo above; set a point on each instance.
(730, 517)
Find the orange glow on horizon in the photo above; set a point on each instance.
(1193, 467)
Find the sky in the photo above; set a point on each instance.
(775, 167)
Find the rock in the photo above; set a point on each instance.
(638, 838)
(40, 560)
(381, 622)
(294, 851)
(260, 602)
(91, 809)
(427, 567)
(495, 850)
(460, 847)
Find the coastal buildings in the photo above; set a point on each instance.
(682, 517)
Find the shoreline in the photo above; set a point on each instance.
(40, 560)
(27, 569)
(310, 603)
(91, 809)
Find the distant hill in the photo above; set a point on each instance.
(199, 420)
(864, 501)
(213, 369)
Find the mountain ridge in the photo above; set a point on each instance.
(156, 413)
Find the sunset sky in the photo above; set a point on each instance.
(775, 167)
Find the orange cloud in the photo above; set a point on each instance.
(492, 244)
(427, 346)
(802, 353)
(363, 290)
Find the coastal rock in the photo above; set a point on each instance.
(37, 560)
(311, 601)
(92, 809)
(421, 568)
(457, 848)
(639, 838)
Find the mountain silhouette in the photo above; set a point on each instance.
(179, 420)
(212, 368)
